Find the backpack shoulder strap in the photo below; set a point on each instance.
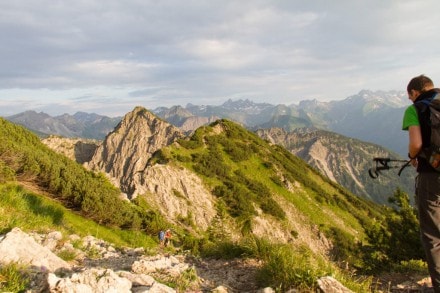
(423, 105)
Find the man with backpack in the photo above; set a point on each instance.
(417, 121)
(161, 238)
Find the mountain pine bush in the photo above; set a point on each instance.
(24, 157)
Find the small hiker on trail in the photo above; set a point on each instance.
(167, 237)
(161, 238)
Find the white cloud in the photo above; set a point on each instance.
(190, 51)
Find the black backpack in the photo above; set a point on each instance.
(432, 152)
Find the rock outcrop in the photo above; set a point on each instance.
(343, 160)
(76, 149)
(194, 122)
(19, 247)
(178, 193)
(127, 150)
(127, 270)
(125, 154)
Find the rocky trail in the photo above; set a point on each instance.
(98, 267)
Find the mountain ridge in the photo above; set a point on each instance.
(373, 117)
(343, 160)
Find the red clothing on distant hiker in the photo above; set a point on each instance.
(167, 237)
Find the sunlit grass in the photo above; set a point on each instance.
(32, 212)
(285, 267)
(13, 278)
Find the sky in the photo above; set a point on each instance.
(109, 56)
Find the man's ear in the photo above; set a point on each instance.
(413, 94)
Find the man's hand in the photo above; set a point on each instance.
(414, 163)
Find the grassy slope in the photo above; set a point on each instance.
(20, 207)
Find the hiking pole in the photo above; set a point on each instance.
(383, 164)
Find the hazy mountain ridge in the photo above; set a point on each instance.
(369, 116)
(344, 160)
(374, 117)
(81, 124)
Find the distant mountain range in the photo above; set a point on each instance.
(79, 125)
(369, 116)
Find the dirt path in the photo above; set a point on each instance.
(238, 275)
(402, 282)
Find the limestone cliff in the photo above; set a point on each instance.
(194, 122)
(127, 149)
(177, 193)
(343, 160)
(77, 149)
(124, 156)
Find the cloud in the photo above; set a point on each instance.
(174, 52)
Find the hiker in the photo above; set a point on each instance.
(167, 237)
(161, 238)
(416, 122)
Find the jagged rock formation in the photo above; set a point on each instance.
(124, 156)
(343, 160)
(184, 119)
(17, 246)
(128, 148)
(77, 149)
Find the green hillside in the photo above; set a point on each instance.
(249, 177)
(239, 167)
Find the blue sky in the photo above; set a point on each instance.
(109, 56)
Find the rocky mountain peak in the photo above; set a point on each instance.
(127, 149)
(246, 106)
(125, 157)
(178, 110)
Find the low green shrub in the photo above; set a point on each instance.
(13, 278)
(412, 266)
(224, 250)
(285, 269)
(67, 254)
(187, 280)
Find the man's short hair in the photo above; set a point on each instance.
(419, 83)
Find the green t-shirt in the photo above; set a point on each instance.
(410, 118)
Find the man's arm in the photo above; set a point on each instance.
(415, 141)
